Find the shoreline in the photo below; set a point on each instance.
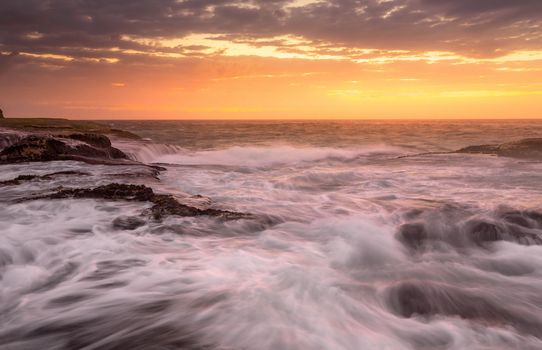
(37, 140)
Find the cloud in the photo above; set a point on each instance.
(110, 30)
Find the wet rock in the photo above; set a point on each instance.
(523, 236)
(461, 230)
(18, 180)
(409, 299)
(480, 149)
(125, 325)
(482, 232)
(164, 204)
(128, 222)
(41, 148)
(33, 148)
(528, 219)
(517, 218)
(96, 140)
(517, 226)
(527, 148)
(23, 178)
(112, 191)
(5, 258)
(413, 235)
(428, 299)
(524, 149)
(8, 139)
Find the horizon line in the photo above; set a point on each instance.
(288, 119)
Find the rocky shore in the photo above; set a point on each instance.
(527, 149)
(37, 140)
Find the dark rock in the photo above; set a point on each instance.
(409, 299)
(524, 149)
(24, 178)
(522, 235)
(429, 299)
(527, 148)
(462, 230)
(18, 180)
(413, 235)
(528, 219)
(124, 134)
(96, 140)
(91, 148)
(482, 232)
(5, 258)
(517, 218)
(1, 114)
(518, 227)
(480, 149)
(110, 192)
(164, 205)
(158, 168)
(33, 148)
(8, 139)
(128, 222)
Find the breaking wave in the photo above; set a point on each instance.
(256, 156)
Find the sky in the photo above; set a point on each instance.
(271, 59)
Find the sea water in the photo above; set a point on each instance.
(351, 244)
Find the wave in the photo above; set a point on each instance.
(253, 156)
(147, 152)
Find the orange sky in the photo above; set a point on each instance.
(297, 59)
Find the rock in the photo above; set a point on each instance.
(96, 140)
(33, 148)
(480, 149)
(481, 232)
(90, 148)
(523, 149)
(413, 235)
(1, 114)
(18, 180)
(24, 178)
(409, 299)
(515, 226)
(8, 139)
(427, 298)
(112, 191)
(527, 148)
(128, 222)
(164, 204)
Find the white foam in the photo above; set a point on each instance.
(316, 279)
(265, 156)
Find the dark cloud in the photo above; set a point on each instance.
(91, 28)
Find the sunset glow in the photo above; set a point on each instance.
(282, 59)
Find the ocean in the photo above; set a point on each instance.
(366, 235)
